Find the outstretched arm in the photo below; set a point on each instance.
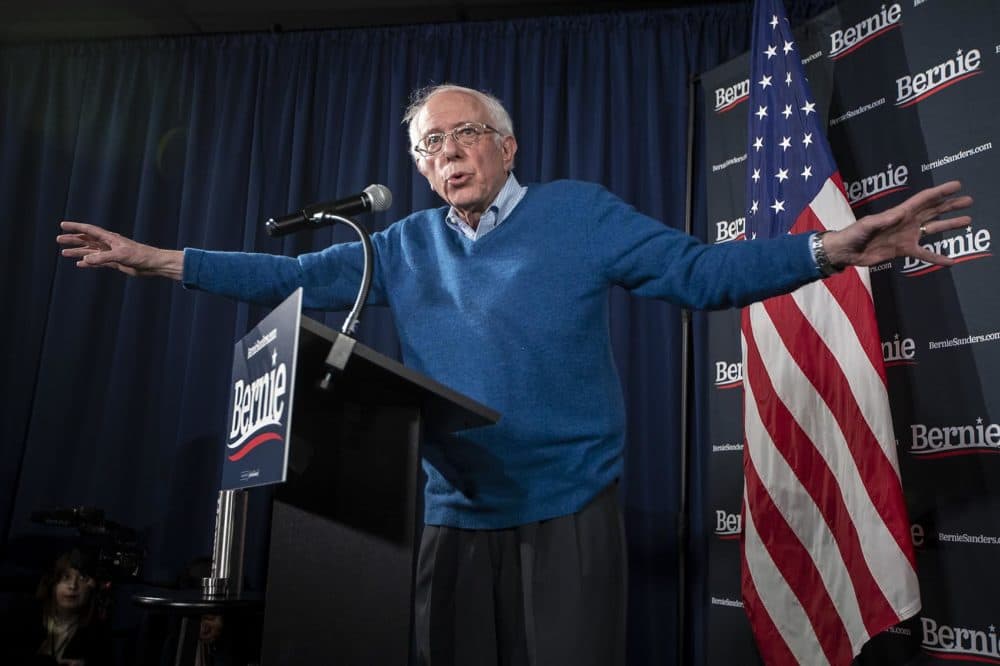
(94, 247)
(897, 231)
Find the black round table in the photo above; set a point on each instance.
(193, 603)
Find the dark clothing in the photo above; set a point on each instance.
(90, 644)
(546, 593)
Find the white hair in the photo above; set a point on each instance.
(499, 118)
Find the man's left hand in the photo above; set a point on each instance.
(897, 232)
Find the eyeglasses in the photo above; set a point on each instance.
(467, 135)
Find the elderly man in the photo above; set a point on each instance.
(502, 295)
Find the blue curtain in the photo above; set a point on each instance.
(114, 390)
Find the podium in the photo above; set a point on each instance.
(344, 524)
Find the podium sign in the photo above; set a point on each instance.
(260, 400)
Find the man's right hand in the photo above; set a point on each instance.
(94, 247)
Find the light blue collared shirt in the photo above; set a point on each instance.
(509, 196)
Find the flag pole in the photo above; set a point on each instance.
(682, 521)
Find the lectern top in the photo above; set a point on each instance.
(363, 374)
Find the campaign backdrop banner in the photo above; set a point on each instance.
(908, 92)
(260, 400)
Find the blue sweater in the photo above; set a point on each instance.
(519, 321)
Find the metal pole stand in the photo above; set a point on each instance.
(227, 552)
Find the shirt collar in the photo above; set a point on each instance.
(508, 197)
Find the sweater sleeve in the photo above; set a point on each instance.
(330, 278)
(649, 258)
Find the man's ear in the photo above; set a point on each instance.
(508, 148)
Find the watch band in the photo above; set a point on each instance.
(823, 263)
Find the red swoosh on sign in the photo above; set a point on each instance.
(254, 443)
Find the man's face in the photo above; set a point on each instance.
(467, 177)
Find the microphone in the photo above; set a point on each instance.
(374, 198)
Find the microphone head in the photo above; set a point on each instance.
(379, 196)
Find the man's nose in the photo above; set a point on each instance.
(451, 145)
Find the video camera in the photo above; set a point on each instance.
(114, 549)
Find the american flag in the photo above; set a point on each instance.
(827, 558)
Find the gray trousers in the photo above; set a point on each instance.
(543, 594)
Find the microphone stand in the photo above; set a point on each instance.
(366, 277)
(366, 280)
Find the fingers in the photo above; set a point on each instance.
(83, 228)
(938, 192)
(956, 203)
(81, 234)
(81, 240)
(927, 206)
(938, 208)
(948, 188)
(937, 226)
(91, 245)
(932, 257)
(78, 252)
(87, 252)
(94, 247)
(128, 270)
(74, 239)
(938, 198)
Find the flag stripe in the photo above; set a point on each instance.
(852, 292)
(831, 206)
(818, 336)
(831, 209)
(872, 550)
(820, 518)
(770, 641)
(789, 569)
(821, 349)
(795, 503)
(849, 289)
(795, 642)
(858, 314)
(845, 375)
